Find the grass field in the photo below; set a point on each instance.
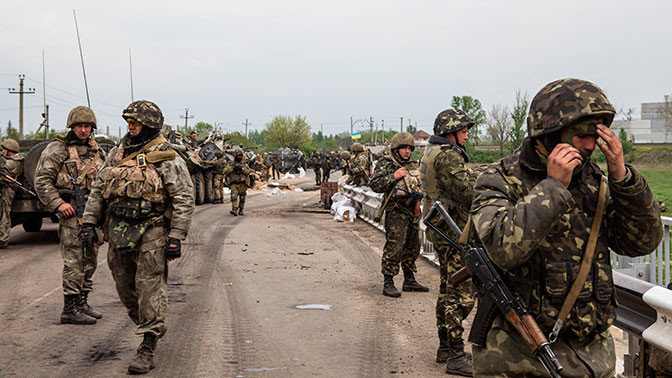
(660, 181)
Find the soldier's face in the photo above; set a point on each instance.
(462, 136)
(82, 130)
(134, 127)
(405, 152)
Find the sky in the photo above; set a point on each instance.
(326, 60)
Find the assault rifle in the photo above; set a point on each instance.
(494, 296)
(80, 201)
(7, 178)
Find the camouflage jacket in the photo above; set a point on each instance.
(453, 181)
(177, 187)
(315, 162)
(14, 166)
(536, 230)
(383, 181)
(236, 173)
(50, 165)
(359, 164)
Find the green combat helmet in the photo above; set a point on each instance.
(345, 155)
(402, 139)
(450, 120)
(145, 112)
(564, 102)
(10, 145)
(357, 147)
(81, 114)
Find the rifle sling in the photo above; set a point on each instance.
(587, 260)
(158, 140)
(82, 173)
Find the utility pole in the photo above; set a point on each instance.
(382, 130)
(107, 130)
(20, 93)
(321, 129)
(246, 124)
(351, 126)
(186, 119)
(401, 128)
(371, 127)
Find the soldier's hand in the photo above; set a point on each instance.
(173, 249)
(399, 173)
(88, 235)
(562, 161)
(613, 151)
(66, 209)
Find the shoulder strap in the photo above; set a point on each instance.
(156, 141)
(586, 262)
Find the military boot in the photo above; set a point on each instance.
(233, 212)
(84, 307)
(410, 284)
(444, 346)
(144, 356)
(217, 202)
(240, 211)
(458, 362)
(389, 289)
(71, 313)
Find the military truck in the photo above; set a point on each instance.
(290, 159)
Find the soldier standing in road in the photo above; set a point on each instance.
(12, 163)
(360, 166)
(446, 178)
(326, 166)
(218, 179)
(399, 178)
(145, 195)
(237, 176)
(275, 161)
(74, 156)
(315, 162)
(534, 211)
(267, 162)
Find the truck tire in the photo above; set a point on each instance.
(209, 178)
(32, 224)
(199, 188)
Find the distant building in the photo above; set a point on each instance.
(650, 129)
(421, 139)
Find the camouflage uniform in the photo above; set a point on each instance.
(218, 185)
(326, 166)
(535, 229)
(275, 160)
(14, 166)
(142, 208)
(359, 169)
(236, 174)
(315, 162)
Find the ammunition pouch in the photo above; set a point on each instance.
(135, 208)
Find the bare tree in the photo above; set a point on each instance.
(499, 125)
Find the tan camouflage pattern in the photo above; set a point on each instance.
(507, 355)
(357, 147)
(76, 278)
(145, 112)
(535, 230)
(564, 102)
(402, 227)
(238, 194)
(128, 180)
(14, 165)
(236, 176)
(402, 139)
(81, 114)
(451, 120)
(315, 162)
(359, 166)
(10, 145)
(82, 156)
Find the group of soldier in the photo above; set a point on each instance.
(354, 162)
(534, 212)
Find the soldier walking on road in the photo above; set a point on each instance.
(218, 178)
(145, 195)
(446, 178)
(237, 176)
(534, 211)
(73, 157)
(399, 178)
(12, 163)
(315, 162)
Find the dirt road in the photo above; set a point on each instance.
(233, 300)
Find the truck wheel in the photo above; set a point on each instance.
(32, 224)
(199, 188)
(209, 178)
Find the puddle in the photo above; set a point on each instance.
(261, 370)
(325, 307)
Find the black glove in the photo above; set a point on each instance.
(173, 252)
(88, 235)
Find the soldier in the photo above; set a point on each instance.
(267, 162)
(146, 218)
(274, 166)
(75, 156)
(326, 166)
(12, 164)
(345, 157)
(218, 184)
(192, 141)
(360, 166)
(534, 212)
(399, 178)
(446, 178)
(315, 162)
(236, 174)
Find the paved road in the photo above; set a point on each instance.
(232, 302)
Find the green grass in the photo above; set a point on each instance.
(660, 182)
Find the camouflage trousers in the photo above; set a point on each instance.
(140, 278)
(274, 172)
(507, 355)
(325, 174)
(76, 278)
(5, 214)
(318, 176)
(218, 186)
(453, 304)
(402, 241)
(238, 193)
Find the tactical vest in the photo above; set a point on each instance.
(429, 180)
(410, 183)
(87, 165)
(237, 177)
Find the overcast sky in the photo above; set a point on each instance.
(327, 60)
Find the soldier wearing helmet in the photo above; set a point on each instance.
(11, 163)
(445, 177)
(534, 212)
(359, 166)
(398, 177)
(237, 176)
(145, 198)
(325, 161)
(75, 156)
(316, 164)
